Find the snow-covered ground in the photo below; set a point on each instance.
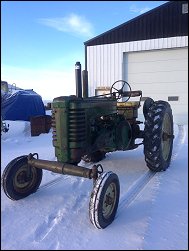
(152, 212)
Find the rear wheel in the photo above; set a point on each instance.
(158, 136)
(19, 180)
(104, 200)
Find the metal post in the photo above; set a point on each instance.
(85, 83)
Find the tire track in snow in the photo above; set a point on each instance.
(58, 179)
(179, 141)
(60, 215)
(138, 186)
(52, 182)
(134, 190)
(44, 229)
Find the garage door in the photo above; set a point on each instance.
(161, 75)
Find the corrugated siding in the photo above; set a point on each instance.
(105, 62)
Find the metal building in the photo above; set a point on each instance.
(150, 52)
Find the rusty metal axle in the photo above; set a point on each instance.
(63, 168)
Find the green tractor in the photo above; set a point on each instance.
(87, 128)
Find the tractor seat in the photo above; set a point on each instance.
(129, 104)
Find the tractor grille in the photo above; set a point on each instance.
(54, 136)
(77, 125)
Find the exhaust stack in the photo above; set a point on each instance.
(78, 80)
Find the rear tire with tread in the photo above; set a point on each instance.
(158, 136)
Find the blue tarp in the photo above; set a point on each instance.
(21, 105)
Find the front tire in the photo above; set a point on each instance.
(104, 200)
(16, 182)
(158, 136)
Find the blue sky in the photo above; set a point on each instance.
(42, 40)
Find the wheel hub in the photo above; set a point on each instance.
(166, 136)
(109, 200)
(23, 179)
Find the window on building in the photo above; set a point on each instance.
(173, 98)
(184, 8)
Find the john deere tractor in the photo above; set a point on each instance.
(89, 127)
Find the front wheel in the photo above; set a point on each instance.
(104, 200)
(19, 180)
(158, 136)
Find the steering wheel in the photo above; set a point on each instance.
(118, 93)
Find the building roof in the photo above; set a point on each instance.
(168, 20)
